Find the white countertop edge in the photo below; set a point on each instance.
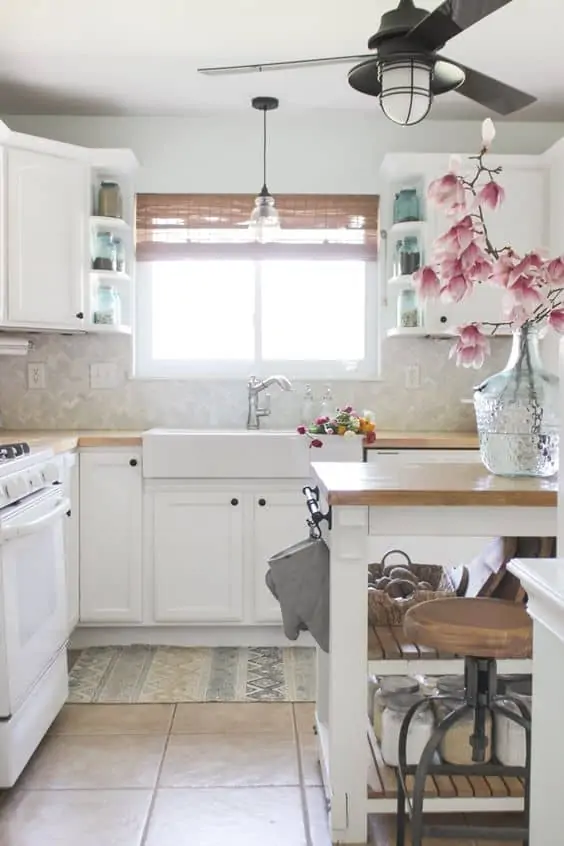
(543, 579)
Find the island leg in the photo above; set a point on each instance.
(346, 676)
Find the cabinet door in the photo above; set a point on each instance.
(198, 556)
(47, 248)
(279, 521)
(72, 540)
(521, 222)
(110, 537)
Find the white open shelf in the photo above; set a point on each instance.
(109, 329)
(413, 331)
(114, 276)
(117, 224)
(405, 227)
(405, 281)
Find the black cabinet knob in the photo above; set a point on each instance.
(80, 315)
(262, 501)
(234, 501)
(443, 319)
(133, 462)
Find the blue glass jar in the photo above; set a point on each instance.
(105, 252)
(407, 256)
(108, 306)
(406, 206)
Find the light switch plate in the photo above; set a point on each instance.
(103, 375)
(36, 376)
(412, 377)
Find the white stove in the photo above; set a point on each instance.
(26, 473)
(33, 605)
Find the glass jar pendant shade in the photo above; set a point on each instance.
(264, 223)
(406, 95)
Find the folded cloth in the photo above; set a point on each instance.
(299, 579)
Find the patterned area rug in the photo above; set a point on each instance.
(180, 674)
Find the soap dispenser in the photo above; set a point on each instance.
(308, 410)
(327, 408)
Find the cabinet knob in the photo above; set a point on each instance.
(234, 501)
(133, 462)
(443, 319)
(80, 315)
(262, 501)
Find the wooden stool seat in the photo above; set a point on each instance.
(479, 627)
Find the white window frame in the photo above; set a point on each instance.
(146, 367)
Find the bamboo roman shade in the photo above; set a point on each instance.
(177, 226)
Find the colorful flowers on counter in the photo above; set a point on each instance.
(346, 423)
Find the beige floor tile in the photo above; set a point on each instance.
(382, 831)
(74, 818)
(305, 717)
(248, 817)
(95, 761)
(234, 718)
(114, 719)
(318, 817)
(246, 760)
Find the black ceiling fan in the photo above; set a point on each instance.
(404, 69)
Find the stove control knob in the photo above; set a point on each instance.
(51, 473)
(17, 487)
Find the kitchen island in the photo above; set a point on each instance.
(365, 502)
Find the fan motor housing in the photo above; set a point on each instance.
(397, 22)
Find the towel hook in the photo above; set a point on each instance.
(316, 514)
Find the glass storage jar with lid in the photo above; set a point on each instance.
(406, 206)
(110, 202)
(420, 729)
(409, 314)
(108, 306)
(510, 738)
(120, 255)
(455, 747)
(407, 256)
(390, 686)
(105, 252)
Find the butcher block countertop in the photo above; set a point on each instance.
(64, 441)
(429, 484)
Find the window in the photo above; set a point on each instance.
(210, 303)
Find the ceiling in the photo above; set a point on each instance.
(139, 58)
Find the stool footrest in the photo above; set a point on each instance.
(476, 832)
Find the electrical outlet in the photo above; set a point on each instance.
(103, 375)
(36, 376)
(412, 377)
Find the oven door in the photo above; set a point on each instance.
(32, 593)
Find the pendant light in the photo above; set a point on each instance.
(264, 224)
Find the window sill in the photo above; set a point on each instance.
(238, 378)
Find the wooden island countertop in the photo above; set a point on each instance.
(436, 484)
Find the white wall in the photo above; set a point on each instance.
(325, 152)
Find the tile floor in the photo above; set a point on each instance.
(184, 775)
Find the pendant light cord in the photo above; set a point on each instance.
(264, 188)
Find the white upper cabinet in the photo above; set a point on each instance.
(47, 214)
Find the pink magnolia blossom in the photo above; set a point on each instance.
(471, 348)
(456, 239)
(501, 270)
(491, 195)
(471, 255)
(556, 320)
(456, 288)
(488, 133)
(524, 291)
(555, 270)
(426, 283)
(517, 315)
(530, 262)
(447, 191)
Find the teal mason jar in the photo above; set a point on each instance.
(406, 206)
(108, 306)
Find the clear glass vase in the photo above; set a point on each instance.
(517, 413)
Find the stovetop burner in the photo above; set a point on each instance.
(9, 451)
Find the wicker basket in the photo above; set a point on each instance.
(385, 610)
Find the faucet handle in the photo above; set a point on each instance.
(265, 408)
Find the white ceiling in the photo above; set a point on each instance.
(139, 57)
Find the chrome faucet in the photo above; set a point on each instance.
(254, 388)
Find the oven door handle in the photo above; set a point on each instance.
(19, 531)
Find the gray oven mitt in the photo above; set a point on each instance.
(299, 579)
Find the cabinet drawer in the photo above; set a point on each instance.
(423, 456)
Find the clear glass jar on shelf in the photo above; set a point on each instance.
(408, 311)
(510, 738)
(120, 255)
(407, 206)
(455, 747)
(108, 306)
(105, 252)
(420, 729)
(389, 686)
(110, 203)
(407, 256)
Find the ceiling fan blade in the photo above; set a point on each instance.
(296, 63)
(451, 18)
(495, 95)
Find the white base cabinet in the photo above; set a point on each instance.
(111, 511)
(197, 556)
(72, 543)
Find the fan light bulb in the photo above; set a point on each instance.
(406, 95)
(264, 223)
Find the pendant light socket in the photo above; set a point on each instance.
(265, 220)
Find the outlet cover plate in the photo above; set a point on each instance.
(103, 375)
(36, 376)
